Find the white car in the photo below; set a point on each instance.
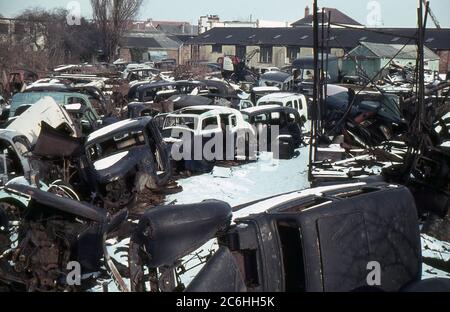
(294, 100)
(208, 121)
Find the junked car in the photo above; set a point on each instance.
(326, 239)
(204, 124)
(18, 140)
(288, 133)
(124, 159)
(42, 233)
(89, 119)
(293, 100)
(279, 79)
(371, 117)
(259, 92)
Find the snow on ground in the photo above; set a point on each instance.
(436, 249)
(246, 183)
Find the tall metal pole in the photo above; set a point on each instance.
(322, 74)
(314, 107)
(421, 71)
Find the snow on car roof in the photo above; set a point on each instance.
(205, 110)
(265, 88)
(103, 131)
(280, 95)
(267, 204)
(255, 109)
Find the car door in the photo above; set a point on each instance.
(210, 128)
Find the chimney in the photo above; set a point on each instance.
(307, 11)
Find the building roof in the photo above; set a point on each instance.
(378, 50)
(178, 29)
(436, 39)
(337, 17)
(169, 27)
(150, 40)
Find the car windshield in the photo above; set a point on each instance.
(182, 121)
(119, 143)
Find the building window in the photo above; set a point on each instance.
(217, 48)
(19, 29)
(265, 55)
(241, 51)
(292, 53)
(4, 28)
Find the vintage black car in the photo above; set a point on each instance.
(124, 159)
(325, 239)
(152, 91)
(289, 127)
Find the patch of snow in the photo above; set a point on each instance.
(430, 272)
(110, 128)
(246, 183)
(434, 248)
(107, 162)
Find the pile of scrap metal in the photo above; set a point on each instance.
(108, 166)
(400, 79)
(370, 133)
(63, 192)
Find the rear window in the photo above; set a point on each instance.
(210, 122)
(183, 122)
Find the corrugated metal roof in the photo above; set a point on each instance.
(391, 50)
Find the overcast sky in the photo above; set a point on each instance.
(398, 13)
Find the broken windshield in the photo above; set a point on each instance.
(116, 144)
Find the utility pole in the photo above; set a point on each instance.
(421, 69)
(433, 17)
(313, 140)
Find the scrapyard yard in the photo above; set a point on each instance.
(249, 156)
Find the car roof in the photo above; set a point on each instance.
(255, 109)
(268, 108)
(276, 76)
(265, 89)
(209, 110)
(279, 95)
(117, 127)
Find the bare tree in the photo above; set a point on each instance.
(112, 18)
